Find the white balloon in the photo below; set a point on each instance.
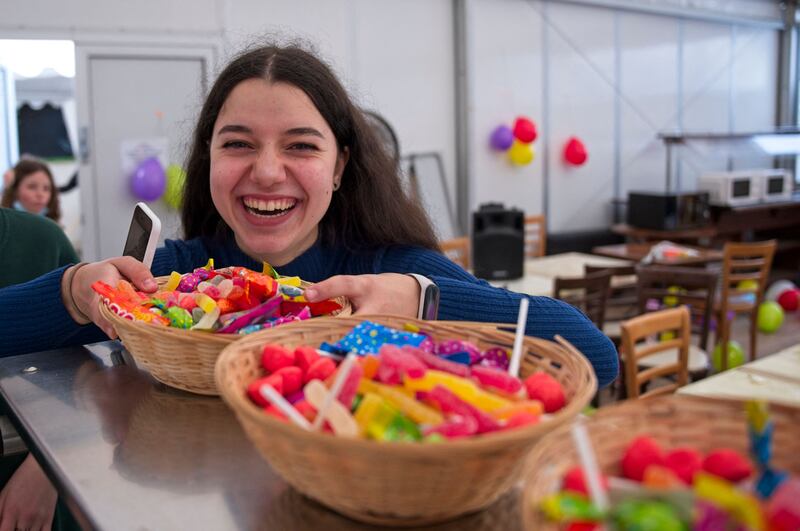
(778, 287)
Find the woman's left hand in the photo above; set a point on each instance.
(390, 293)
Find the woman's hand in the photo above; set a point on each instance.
(390, 293)
(28, 500)
(109, 271)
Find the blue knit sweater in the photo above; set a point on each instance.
(34, 317)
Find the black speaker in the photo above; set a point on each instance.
(498, 242)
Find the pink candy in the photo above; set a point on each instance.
(449, 402)
(395, 364)
(435, 362)
(496, 379)
(454, 345)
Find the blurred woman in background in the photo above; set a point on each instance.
(33, 190)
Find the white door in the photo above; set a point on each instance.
(127, 94)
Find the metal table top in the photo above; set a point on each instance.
(126, 452)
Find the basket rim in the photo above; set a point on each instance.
(488, 441)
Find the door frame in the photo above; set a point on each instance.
(206, 52)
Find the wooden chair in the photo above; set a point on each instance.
(587, 293)
(621, 303)
(636, 347)
(535, 236)
(742, 261)
(697, 292)
(457, 250)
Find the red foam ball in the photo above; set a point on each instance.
(254, 389)
(640, 454)
(292, 378)
(789, 300)
(728, 464)
(547, 390)
(525, 130)
(685, 463)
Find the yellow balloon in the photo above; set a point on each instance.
(520, 153)
(176, 178)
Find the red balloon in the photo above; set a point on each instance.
(575, 152)
(789, 299)
(524, 130)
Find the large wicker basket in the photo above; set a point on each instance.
(183, 359)
(673, 421)
(400, 484)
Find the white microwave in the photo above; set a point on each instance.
(732, 188)
(777, 185)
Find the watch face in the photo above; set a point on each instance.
(430, 304)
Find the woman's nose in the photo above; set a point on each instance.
(269, 167)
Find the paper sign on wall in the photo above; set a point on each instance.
(135, 150)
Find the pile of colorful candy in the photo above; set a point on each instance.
(681, 489)
(233, 300)
(400, 386)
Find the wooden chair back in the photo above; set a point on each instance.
(622, 300)
(586, 293)
(742, 262)
(639, 329)
(696, 290)
(535, 236)
(457, 250)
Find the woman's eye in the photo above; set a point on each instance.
(235, 144)
(303, 146)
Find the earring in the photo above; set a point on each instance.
(336, 185)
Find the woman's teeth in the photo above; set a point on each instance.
(271, 208)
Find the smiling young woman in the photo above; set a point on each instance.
(284, 168)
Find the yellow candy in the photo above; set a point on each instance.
(206, 303)
(399, 398)
(174, 280)
(209, 265)
(289, 281)
(744, 507)
(757, 414)
(464, 389)
(374, 415)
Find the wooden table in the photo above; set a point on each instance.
(637, 251)
(540, 272)
(775, 378)
(636, 234)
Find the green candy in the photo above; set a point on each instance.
(178, 317)
(642, 515)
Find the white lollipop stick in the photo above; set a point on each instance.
(341, 377)
(516, 354)
(275, 398)
(589, 464)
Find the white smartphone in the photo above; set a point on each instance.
(143, 235)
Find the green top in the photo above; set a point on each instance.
(30, 246)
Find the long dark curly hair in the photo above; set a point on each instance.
(370, 210)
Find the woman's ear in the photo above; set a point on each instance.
(341, 163)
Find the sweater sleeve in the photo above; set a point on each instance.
(40, 320)
(466, 298)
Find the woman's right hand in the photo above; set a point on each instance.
(109, 271)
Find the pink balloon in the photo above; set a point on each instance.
(148, 180)
(575, 152)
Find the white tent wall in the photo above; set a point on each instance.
(612, 72)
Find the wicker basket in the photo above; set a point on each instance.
(673, 421)
(183, 359)
(401, 484)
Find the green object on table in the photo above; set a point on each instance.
(770, 317)
(735, 356)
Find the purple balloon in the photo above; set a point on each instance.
(148, 180)
(502, 138)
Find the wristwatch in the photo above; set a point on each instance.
(428, 297)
